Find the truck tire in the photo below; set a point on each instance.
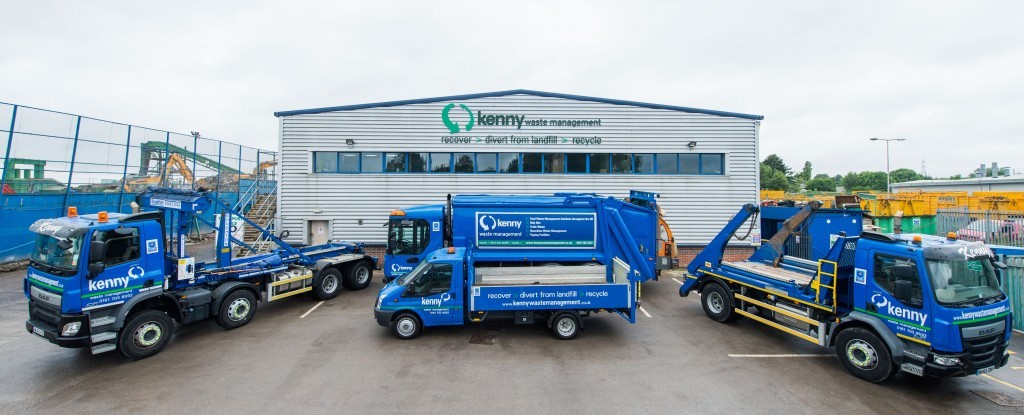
(864, 355)
(237, 309)
(565, 326)
(145, 334)
(717, 303)
(359, 276)
(406, 326)
(328, 284)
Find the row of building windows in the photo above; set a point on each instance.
(574, 163)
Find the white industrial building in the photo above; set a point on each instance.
(343, 169)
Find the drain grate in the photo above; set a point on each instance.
(999, 398)
(480, 338)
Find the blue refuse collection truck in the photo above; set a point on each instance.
(415, 232)
(551, 259)
(120, 281)
(920, 304)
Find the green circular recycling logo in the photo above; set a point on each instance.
(453, 126)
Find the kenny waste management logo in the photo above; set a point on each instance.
(134, 273)
(452, 125)
(399, 268)
(885, 306)
(436, 301)
(488, 222)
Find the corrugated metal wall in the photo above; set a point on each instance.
(697, 206)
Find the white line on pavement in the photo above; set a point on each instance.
(1004, 382)
(311, 310)
(645, 312)
(677, 280)
(781, 355)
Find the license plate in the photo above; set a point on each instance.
(39, 331)
(985, 370)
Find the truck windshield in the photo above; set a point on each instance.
(408, 237)
(48, 251)
(412, 275)
(962, 283)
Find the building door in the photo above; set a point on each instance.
(318, 232)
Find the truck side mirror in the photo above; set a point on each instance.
(95, 268)
(97, 251)
(902, 290)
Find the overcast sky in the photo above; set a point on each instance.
(947, 76)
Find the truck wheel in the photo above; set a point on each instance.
(237, 309)
(717, 302)
(565, 326)
(328, 285)
(406, 326)
(359, 276)
(865, 355)
(145, 335)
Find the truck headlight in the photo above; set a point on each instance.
(71, 329)
(946, 360)
(379, 300)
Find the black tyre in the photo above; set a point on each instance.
(865, 355)
(359, 276)
(565, 326)
(145, 334)
(328, 284)
(406, 326)
(717, 303)
(237, 309)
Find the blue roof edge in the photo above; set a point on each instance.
(518, 92)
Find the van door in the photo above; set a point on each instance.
(894, 276)
(437, 293)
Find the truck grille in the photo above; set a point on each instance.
(43, 313)
(983, 351)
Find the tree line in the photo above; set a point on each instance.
(776, 175)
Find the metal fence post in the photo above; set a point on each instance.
(167, 157)
(220, 171)
(238, 188)
(71, 169)
(195, 153)
(7, 154)
(124, 173)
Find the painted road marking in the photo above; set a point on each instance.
(677, 280)
(645, 312)
(781, 355)
(311, 310)
(1018, 388)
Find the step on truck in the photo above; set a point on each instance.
(549, 259)
(414, 232)
(920, 304)
(118, 281)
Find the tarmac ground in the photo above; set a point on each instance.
(300, 356)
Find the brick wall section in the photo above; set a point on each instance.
(686, 253)
(732, 253)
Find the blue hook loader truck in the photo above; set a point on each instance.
(119, 281)
(920, 304)
(551, 259)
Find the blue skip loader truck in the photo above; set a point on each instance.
(551, 259)
(119, 281)
(920, 304)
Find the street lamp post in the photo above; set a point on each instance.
(888, 180)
